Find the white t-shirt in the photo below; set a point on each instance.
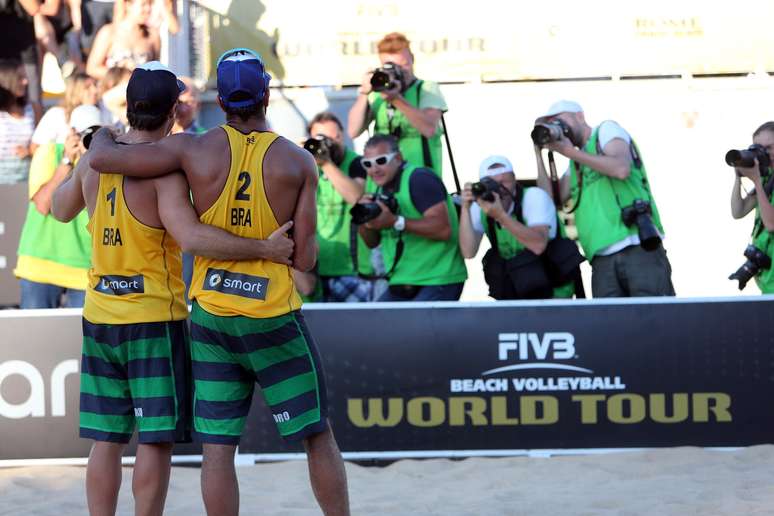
(52, 128)
(537, 210)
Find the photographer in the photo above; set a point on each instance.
(519, 222)
(760, 173)
(408, 211)
(54, 257)
(342, 181)
(616, 216)
(401, 105)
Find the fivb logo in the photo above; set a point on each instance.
(541, 349)
(243, 285)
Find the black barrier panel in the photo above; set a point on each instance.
(545, 376)
(488, 376)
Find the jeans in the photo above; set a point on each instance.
(451, 292)
(43, 295)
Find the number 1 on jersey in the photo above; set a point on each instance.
(112, 198)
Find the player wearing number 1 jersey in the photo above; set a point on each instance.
(135, 370)
(245, 322)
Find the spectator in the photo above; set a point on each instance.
(605, 177)
(53, 34)
(89, 16)
(520, 222)
(18, 29)
(17, 122)
(188, 110)
(54, 127)
(126, 43)
(342, 182)
(410, 109)
(418, 237)
(760, 199)
(112, 95)
(54, 257)
(162, 11)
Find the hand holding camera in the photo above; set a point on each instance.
(750, 162)
(375, 211)
(487, 194)
(553, 135)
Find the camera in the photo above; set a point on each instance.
(756, 260)
(485, 189)
(639, 213)
(388, 77)
(323, 148)
(87, 135)
(746, 158)
(362, 213)
(547, 132)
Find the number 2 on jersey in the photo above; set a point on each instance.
(244, 178)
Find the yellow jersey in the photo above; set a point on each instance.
(136, 270)
(254, 288)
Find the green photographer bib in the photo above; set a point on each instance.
(763, 241)
(333, 229)
(509, 246)
(424, 262)
(415, 148)
(598, 216)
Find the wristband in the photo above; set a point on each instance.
(400, 223)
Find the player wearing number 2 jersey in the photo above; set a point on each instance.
(135, 366)
(245, 322)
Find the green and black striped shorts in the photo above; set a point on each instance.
(136, 375)
(230, 354)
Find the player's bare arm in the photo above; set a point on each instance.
(68, 199)
(179, 218)
(140, 160)
(305, 215)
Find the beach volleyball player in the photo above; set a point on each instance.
(135, 370)
(246, 325)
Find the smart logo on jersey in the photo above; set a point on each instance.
(120, 285)
(236, 284)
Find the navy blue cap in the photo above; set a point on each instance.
(241, 70)
(153, 89)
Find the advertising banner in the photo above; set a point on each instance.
(320, 43)
(466, 377)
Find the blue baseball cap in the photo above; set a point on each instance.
(241, 70)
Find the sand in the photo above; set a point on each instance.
(677, 481)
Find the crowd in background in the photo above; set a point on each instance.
(388, 229)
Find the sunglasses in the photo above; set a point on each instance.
(378, 160)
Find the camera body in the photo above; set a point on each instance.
(639, 213)
(87, 134)
(323, 148)
(551, 131)
(366, 212)
(756, 260)
(388, 77)
(746, 158)
(485, 189)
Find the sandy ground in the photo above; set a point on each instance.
(679, 481)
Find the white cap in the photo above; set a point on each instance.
(486, 170)
(85, 116)
(563, 106)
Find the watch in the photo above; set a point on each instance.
(400, 223)
(66, 161)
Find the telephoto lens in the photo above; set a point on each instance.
(745, 158)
